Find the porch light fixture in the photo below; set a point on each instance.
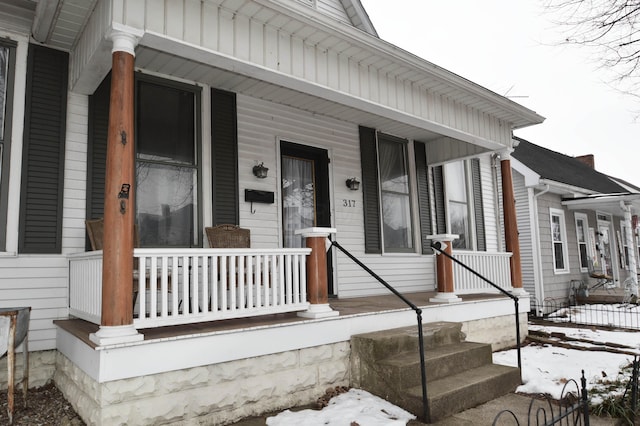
(353, 184)
(260, 171)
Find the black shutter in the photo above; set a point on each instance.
(478, 207)
(438, 197)
(369, 163)
(424, 204)
(224, 157)
(97, 150)
(43, 151)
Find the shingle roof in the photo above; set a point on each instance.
(552, 165)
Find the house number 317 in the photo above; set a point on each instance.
(348, 203)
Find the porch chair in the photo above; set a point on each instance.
(228, 236)
(95, 231)
(603, 280)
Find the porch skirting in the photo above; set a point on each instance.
(213, 394)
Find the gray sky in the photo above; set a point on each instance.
(511, 48)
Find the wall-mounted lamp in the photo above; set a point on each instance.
(353, 184)
(260, 171)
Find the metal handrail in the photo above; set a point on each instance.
(418, 311)
(440, 249)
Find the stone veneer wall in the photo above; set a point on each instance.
(42, 366)
(500, 332)
(214, 394)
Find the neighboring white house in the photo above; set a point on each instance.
(572, 219)
(303, 87)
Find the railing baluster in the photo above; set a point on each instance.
(205, 284)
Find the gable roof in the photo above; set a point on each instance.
(553, 166)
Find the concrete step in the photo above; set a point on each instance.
(460, 374)
(461, 391)
(440, 362)
(384, 344)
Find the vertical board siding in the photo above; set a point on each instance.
(261, 125)
(267, 40)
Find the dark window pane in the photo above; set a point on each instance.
(166, 124)
(558, 255)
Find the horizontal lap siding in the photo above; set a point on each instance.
(39, 282)
(260, 124)
(525, 235)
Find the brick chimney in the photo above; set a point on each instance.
(587, 159)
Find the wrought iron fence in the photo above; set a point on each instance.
(571, 409)
(615, 315)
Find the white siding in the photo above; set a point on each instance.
(39, 282)
(525, 235)
(493, 231)
(261, 125)
(272, 45)
(333, 8)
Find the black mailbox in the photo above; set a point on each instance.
(256, 196)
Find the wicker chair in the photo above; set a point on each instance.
(95, 231)
(228, 236)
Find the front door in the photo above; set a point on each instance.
(605, 242)
(305, 193)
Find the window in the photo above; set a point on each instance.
(625, 246)
(458, 203)
(459, 207)
(583, 238)
(559, 241)
(395, 196)
(7, 66)
(167, 164)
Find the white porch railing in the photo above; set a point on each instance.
(179, 286)
(493, 266)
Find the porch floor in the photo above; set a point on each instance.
(81, 329)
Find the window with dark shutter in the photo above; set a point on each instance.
(224, 157)
(424, 203)
(478, 206)
(369, 164)
(439, 199)
(43, 151)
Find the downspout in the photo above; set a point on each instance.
(536, 245)
(496, 200)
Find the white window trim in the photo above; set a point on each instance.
(585, 222)
(623, 242)
(563, 236)
(471, 237)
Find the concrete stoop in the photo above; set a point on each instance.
(460, 375)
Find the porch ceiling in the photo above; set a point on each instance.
(386, 120)
(607, 203)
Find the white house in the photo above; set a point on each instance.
(154, 114)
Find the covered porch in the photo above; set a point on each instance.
(191, 286)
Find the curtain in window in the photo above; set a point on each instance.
(394, 186)
(298, 199)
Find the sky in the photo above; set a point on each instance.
(545, 369)
(513, 48)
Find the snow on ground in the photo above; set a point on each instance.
(545, 369)
(356, 406)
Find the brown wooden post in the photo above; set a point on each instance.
(511, 223)
(317, 284)
(444, 270)
(119, 203)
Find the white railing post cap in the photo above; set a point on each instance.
(315, 232)
(443, 237)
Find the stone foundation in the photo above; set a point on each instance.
(216, 394)
(42, 366)
(500, 331)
